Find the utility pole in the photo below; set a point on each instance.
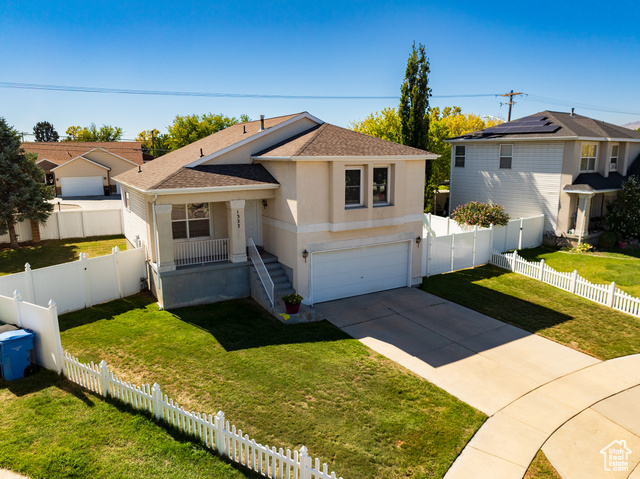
(511, 102)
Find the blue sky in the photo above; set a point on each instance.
(569, 52)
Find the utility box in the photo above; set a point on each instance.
(15, 353)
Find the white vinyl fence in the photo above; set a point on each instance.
(80, 284)
(469, 247)
(606, 294)
(41, 320)
(213, 431)
(72, 224)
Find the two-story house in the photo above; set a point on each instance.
(341, 211)
(562, 165)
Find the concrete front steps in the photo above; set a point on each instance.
(282, 286)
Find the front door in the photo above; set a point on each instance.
(253, 221)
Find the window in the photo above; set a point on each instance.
(460, 156)
(613, 162)
(353, 187)
(381, 186)
(190, 221)
(506, 155)
(588, 157)
(126, 201)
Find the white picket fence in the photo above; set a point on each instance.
(445, 253)
(213, 431)
(72, 224)
(80, 284)
(605, 294)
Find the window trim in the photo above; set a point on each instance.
(594, 157)
(360, 204)
(501, 156)
(187, 219)
(387, 202)
(456, 156)
(613, 166)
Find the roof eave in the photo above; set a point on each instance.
(548, 138)
(346, 157)
(210, 189)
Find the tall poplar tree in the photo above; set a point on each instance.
(23, 194)
(414, 106)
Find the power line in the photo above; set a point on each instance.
(124, 91)
(568, 103)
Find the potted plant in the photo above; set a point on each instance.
(292, 302)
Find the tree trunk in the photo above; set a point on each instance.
(13, 237)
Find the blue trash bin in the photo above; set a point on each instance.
(15, 353)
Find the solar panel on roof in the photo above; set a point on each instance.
(531, 124)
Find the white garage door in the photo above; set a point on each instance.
(350, 272)
(82, 186)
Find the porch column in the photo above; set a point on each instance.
(583, 217)
(164, 238)
(236, 229)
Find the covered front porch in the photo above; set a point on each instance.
(587, 220)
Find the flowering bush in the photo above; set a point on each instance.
(624, 215)
(583, 248)
(481, 214)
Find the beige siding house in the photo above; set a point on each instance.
(562, 165)
(332, 213)
(85, 168)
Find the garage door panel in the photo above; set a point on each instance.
(81, 186)
(350, 272)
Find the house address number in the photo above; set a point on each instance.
(238, 215)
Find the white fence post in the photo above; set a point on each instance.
(448, 221)
(491, 236)
(53, 315)
(156, 395)
(305, 463)
(428, 252)
(475, 238)
(116, 269)
(612, 295)
(574, 281)
(520, 237)
(513, 260)
(31, 293)
(17, 300)
(104, 378)
(218, 422)
(453, 244)
(541, 270)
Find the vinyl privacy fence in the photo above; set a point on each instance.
(72, 224)
(459, 249)
(80, 284)
(605, 294)
(214, 432)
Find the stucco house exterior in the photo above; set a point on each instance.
(85, 168)
(340, 211)
(563, 165)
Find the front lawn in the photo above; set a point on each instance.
(284, 385)
(51, 252)
(541, 308)
(622, 267)
(51, 428)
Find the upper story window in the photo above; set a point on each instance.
(506, 156)
(588, 157)
(353, 187)
(381, 186)
(613, 161)
(190, 221)
(460, 155)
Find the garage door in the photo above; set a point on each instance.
(350, 272)
(82, 186)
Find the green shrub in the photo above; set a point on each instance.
(624, 215)
(608, 240)
(481, 214)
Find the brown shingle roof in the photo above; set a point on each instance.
(61, 152)
(156, 172)
(207, 176)
(329, 140)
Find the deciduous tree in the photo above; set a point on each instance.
(23, 193)
(189, 128)
(154, 142)
(385, 125)
(92, 133)
(44, 131)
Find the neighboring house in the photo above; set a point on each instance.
(85, 168)
(340, 210)
(562, 165)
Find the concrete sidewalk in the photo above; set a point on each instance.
(528, 385)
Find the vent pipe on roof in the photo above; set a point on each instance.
(572, 111)
(261, 122)
(244, 129)
(201, 154)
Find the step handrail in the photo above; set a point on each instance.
(261, 269)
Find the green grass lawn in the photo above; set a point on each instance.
(50, 252)
(540, 308)
(284, 385)
(622, 267)
(51, 428)
(541, 468)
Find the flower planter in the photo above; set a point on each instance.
(292, 308)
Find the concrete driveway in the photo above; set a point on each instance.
(482, 361)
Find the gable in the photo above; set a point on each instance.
(80, 166)
(61, 152)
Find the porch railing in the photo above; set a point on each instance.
(200, 252)
(261, 269)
